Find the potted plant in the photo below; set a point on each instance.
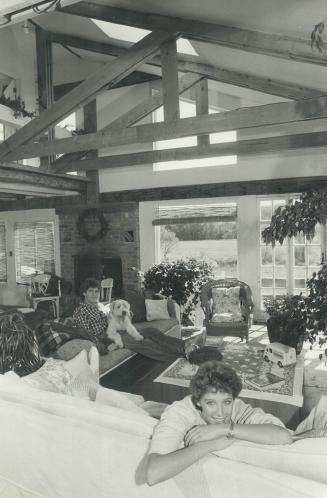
(181, 280)
(287, 320)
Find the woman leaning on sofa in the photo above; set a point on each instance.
(211, 418)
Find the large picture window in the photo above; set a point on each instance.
(206, 232)
(34, 249)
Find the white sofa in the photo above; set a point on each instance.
(58, 446)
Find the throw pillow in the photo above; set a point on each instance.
(156, 310)
(226, 300)
(52, 376)
(75, 377)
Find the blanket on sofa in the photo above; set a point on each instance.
(60, 446)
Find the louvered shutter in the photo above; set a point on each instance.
(34, 249)
(3, 254)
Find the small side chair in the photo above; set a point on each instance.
(40, 292)
(106, 290)
(227, 304)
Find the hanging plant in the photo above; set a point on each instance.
(17, 105)
(87, 219)
(300, 216)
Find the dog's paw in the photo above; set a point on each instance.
(139, 337)
(119, 343)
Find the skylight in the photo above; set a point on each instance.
(131, 34)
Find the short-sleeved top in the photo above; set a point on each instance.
(92, 318)
(179, 417)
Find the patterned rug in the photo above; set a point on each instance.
(261, 379)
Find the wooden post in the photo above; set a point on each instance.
(90, 125)
(202, 107)
(44, 66)
(170, 80)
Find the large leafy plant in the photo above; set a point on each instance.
(180, 280)
(300, 216)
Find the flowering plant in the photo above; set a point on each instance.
(181, 280)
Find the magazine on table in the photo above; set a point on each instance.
(265, 380)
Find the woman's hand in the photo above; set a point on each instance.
(205, 433)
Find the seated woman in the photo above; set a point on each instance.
(211, 418)
(91, 315)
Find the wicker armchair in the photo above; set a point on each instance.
(227, 304)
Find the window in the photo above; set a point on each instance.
(206, 232)
(34, 249)
(3, 255)
(284, 269)
(187, 110)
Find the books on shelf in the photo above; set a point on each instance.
(265, 381)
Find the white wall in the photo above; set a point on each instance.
(11, 292)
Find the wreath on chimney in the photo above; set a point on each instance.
(87, 223)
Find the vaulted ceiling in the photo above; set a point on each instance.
(250, 46)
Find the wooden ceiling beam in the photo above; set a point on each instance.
(109, 74)
(227, 189)
(276, 45)
(243, 118)
(190, 63)
(135, 114)
(240, 148)
(28, 175)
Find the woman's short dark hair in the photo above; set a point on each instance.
(215, 376)
(89, 283)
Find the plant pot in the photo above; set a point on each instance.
(278, 333)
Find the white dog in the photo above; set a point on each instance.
(119, 318)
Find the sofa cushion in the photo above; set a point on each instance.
(156, 310)
(163, 326)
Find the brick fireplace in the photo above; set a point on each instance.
(112, 256)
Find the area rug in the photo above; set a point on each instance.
(261, 379)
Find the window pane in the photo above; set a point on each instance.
(314, 255)
(266, 255)
(317, 236)
(280, 255)
(301, 283)
(265, 210)
(3, 254)
(299, 256)
(299, 239)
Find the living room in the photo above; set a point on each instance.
(117, 137)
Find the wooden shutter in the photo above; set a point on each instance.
(34, 249)
(3, 253)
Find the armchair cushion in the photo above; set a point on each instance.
(226, 299)
(227, 317)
